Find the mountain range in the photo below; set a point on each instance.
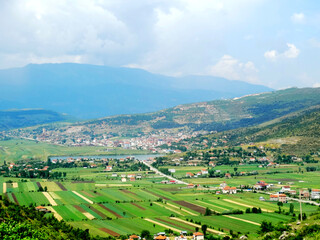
(89, 91)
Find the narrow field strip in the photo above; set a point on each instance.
(196, 225)
(54, 195)
(214, 206)
(50, 199)
(191, 206)
(163, 225)
(84, 212)
(245, 205)
(15, 198)
(92, 208)
(110, 232)
(4, 187)
(88, 194)
(38, 184)
(222, 208)
(83, 197)
(182, 209)
(55, 213)
(61, 186)
(157, 195)
(170, 209)
(138, 206)
(243, 220)
(109, 210)
(88, 215)
(174, 224)
(15, 185)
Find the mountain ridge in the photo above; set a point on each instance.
(91, 91)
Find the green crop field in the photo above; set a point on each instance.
(108, 207)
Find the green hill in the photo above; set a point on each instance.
(218, 115)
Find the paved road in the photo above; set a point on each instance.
(294, 199)
(162, 174)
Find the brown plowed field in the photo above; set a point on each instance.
(138, 206)
(110, 232)
(88, 194)
(176, 225)
(127, 191)
(15, 198)
(96, 211)
(109, 210)
(191, 206)
(80, 209)
(61, 186)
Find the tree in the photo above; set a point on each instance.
(204, 229)
(208, 212)
(291, 208)
(145, 234)
(235, 169)
(266, 227)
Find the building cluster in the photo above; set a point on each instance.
(163, 236)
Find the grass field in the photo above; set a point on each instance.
(13, 150)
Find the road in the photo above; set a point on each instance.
(162, 174)
(294, 199)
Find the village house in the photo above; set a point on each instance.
(305, 194)
(190, 185)
(108, 168)
(223, 185)
(227, 175)
(198, 236)
(315, 194)
(42, 209)
(172, 170)
(285, 189)
(274, 197)
(181, 237)
(123, 179)
(189, 174)
(204, 171)
(261, 185)
(282, 198)
(161, 236)
(278, 197)
(229, 190)
(114, 175)
(211, 163)
(134, 237)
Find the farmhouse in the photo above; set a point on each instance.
(278, 197)
(114, 175)
(227, 175)
(204, 171)
(42, 209)
(109, 168)
(198, 236)
(261, 185)
(172, 170)
(305, 194)
(211, 163)
(190, 185)
(134, 237)
(181, 237)
(229, 190)
(285, 189)
(189, 174)
(123, 179)
(315, 194)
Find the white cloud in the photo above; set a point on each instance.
(272, 55)
(291, 52)
(298, 18)
(231, 68)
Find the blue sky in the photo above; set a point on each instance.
(274, 43)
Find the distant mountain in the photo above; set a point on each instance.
(218, 115)
(28, 117)
(88, 91)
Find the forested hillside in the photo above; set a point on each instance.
(28, 117)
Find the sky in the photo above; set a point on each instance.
(273, 43)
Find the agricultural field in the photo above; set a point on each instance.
(109, 207)
(13, 150)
